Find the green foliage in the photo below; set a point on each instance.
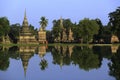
(49, 36)
(76, 32)
(33, 31)
(4, 26)
(114, 23)
(43, 22)
(14, 32)
(88, 29)
(100, 32)
(67, 25)
(56, 28)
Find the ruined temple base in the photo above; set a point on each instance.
(43, 42)
(114, 39)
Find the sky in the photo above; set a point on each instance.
(75, 10)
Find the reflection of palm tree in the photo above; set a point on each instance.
(43, 64)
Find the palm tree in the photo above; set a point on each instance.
(43, 22)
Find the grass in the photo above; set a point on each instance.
(60, 44)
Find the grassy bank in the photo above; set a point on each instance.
(60, 44)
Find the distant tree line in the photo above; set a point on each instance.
(85, 31)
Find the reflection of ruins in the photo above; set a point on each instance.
(26, 52)
(83, 56)
(62, 54)
(114, 48)
(65, 50)
(5, 48)
(42, 51)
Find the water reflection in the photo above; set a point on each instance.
(81, 56)
(86, 58)
(26, 53)
(4, 59)
(114, 66)
(41, 53)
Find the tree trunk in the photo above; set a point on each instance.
(3, 39)
(87, 40)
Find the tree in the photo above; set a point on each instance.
(61, 28)
(49, 36)
(33, 30)
(114, 18)
(14, 32)
(56, 29)
(100, 34)
(43, 22)
(4, 27)
(76, 32)
(88, 29)
(67, 25)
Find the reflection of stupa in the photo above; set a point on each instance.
(26, 37)
(41, 51)
(25, 54)
(70, 49)
(114, 48)
(61, 61)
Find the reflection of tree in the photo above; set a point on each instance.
(13, 52)
(43, 64)
(4, 60)
(61, 55)
(7, 52)
(85, 58)
(82, 56)
(114, 66)
(103, 51)
(41, 52)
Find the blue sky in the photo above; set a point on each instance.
(53, 9)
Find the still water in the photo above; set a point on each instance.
(60, 63)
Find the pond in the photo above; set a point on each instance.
(60, 62)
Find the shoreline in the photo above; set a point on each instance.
(60, 44)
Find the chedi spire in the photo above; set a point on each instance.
(25, 22)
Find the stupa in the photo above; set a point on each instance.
(26, 36)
